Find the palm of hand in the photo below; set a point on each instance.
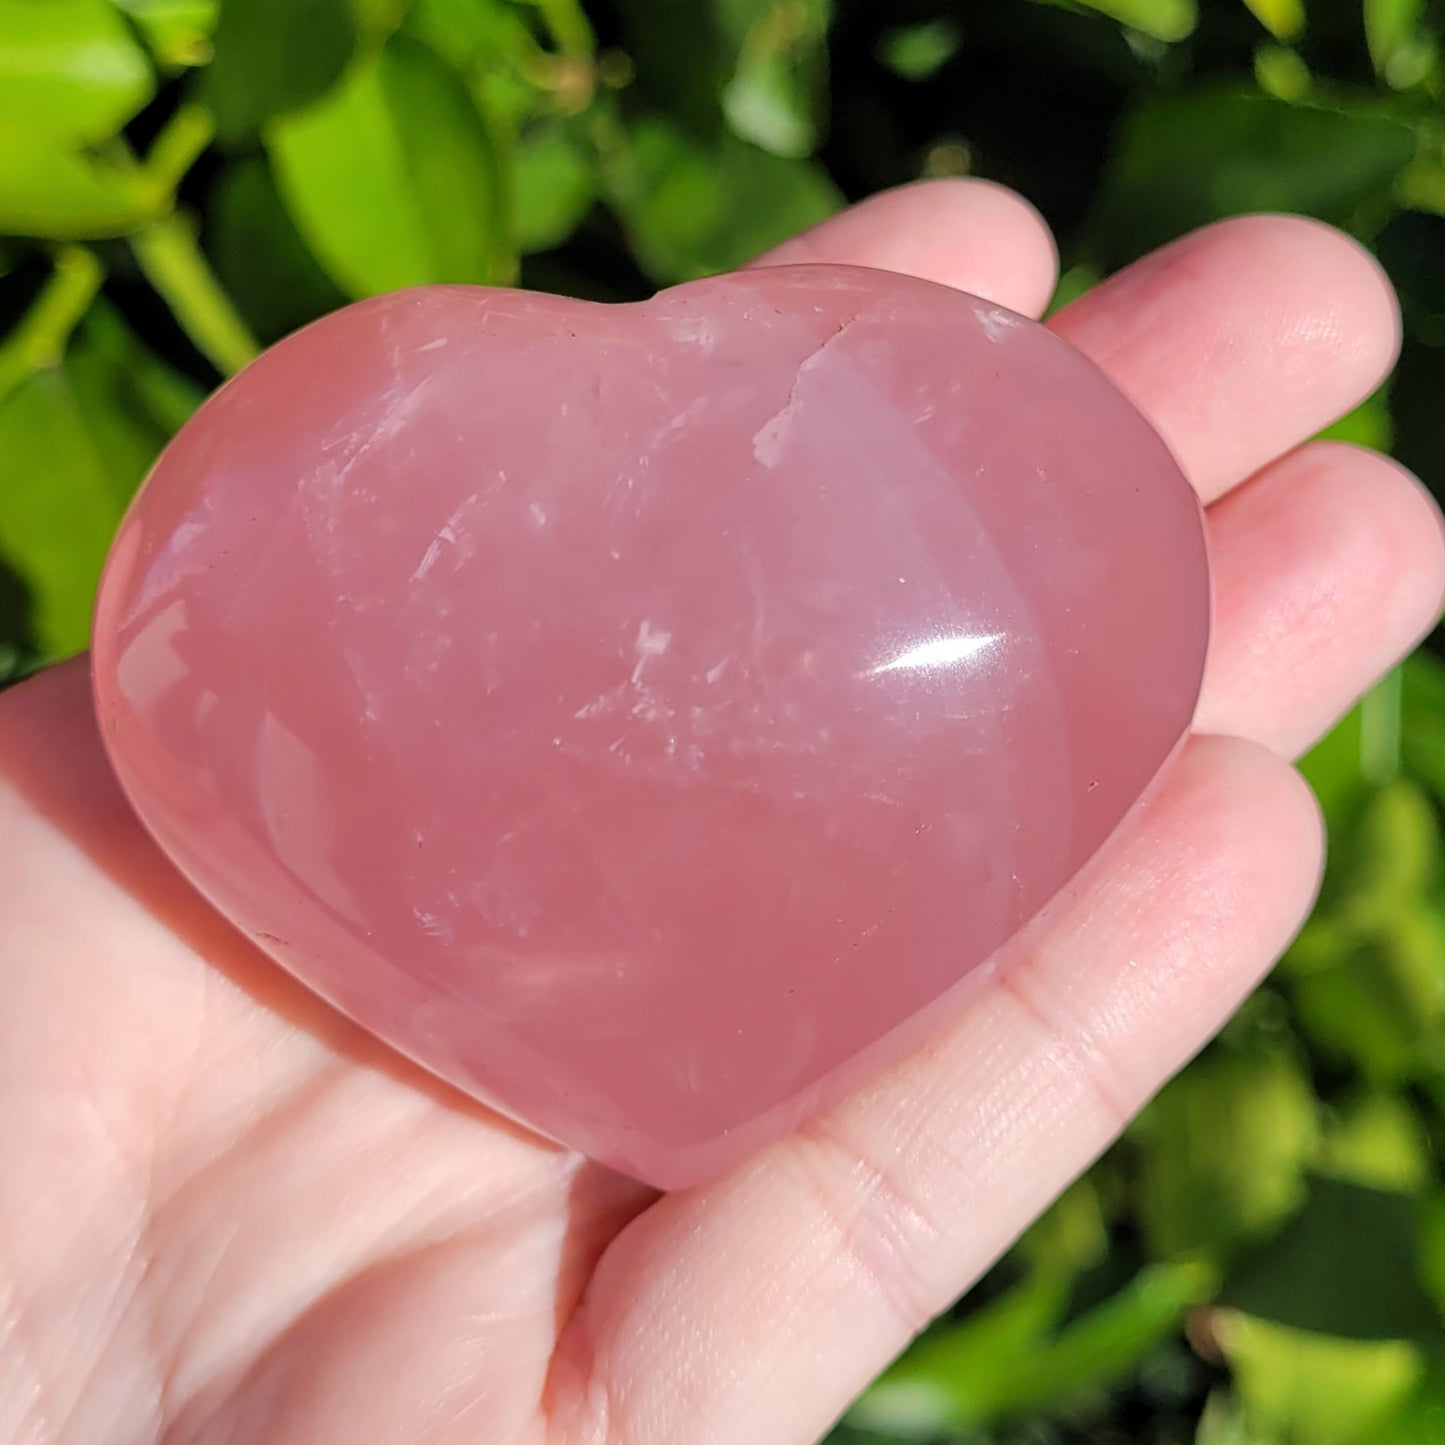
(225, 1215)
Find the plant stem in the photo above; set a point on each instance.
(173, 263)
(569, 26)
(177, 148)
(1381, 720)
(39, 341)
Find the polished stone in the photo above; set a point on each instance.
(652, 718)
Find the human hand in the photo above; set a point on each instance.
(227, 1215)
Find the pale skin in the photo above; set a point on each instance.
(228, 1216)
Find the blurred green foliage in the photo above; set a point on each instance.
(1261, 1261)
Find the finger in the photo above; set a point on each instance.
(754, 1310)
(1242, 340)
(973, 235)
(1328, 568)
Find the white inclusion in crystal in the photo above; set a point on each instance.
(651, 642)
(941, 652)
(435, 925)
(694, 331)
(771, 438)
(996, 324)
(452, 534)
(539, 515)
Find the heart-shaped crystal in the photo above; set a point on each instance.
(646, 716)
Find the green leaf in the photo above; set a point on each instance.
(1344, 1266)
(1071, 1236)
(1390, 860)
(1225, 1149)
(75, 442)
(1423, 733)
(1333, 769)
(1432, 1248)
(1377, 1139)
(377, 19)
(1074, 283)
(1284, 19)
(1422, 1421)
(1167, 20)
(777, 93)
(1369, 425)
(70, 71)
(1381, 1007)
(1282, 72)
(177, 31)
(474, 33)
(948, 1376)
(59, 506)
(918, 51)
(555, 182)
(1308, 1389)
(1223, 1423)
(968, 1376)
(691, 209)
(275, 56)
(393, 180)
(1390, 27)
(133, 401)
(64, 196)
(1187, 159)
(260, 259)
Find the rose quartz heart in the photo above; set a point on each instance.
(651, 717)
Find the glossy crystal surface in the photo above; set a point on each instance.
(650, 717)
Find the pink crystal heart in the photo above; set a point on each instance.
(650, 717)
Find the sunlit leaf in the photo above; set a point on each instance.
(1422, 1419)
(960, 1378)
(393, 180)
(1333, 769)
(1070, 1236)
(1378, 1002)
(70, 70)
(378, 18)
(1224, 1153)
(1392, 858)
(64, 195)
(1369, 425)
(1168, 20)
(1282, 72)
(776, 95)
(949, 1375)
(178, 31)
(1309, 1389)
(1378, 1139)
(1284, 19)
(1390, 25)
(556, 183)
